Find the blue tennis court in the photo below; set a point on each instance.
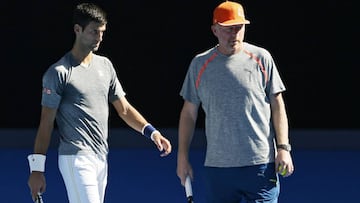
(327, 167)
(140, 175)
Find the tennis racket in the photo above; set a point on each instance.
(39, 199)
(188, 190)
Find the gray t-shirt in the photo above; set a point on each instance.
(234, 94)
(81, 95)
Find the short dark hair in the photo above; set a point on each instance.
(85, 13)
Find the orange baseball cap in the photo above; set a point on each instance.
(229, 13)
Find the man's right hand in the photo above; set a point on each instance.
(36, 183)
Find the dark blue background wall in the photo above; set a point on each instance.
(151, 44)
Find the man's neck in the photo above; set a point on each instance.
(80, 56)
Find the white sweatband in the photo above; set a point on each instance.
(37, 162)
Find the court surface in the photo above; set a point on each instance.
(141, 175)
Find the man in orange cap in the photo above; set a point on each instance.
(246, 126)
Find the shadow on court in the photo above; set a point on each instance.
(141, 175)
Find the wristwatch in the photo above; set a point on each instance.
(286, 147)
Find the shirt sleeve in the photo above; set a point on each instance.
(115, 91)
(51, 88)
(188, 90)
(275, 83)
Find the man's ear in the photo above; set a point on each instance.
(213, 29)
(77, 28)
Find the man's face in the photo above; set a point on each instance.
(230, 37)
(91, 36)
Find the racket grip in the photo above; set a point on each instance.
(188, 188)
(39, 199)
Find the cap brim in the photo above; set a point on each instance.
(234, 22)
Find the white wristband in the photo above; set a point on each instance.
(37, 162)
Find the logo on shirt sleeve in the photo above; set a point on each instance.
(46, 90)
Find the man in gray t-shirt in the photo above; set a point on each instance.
(81, 94)
(240, 90)
(77, 91)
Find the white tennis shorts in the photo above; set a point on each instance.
(85, 177)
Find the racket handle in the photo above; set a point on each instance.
(188, 189)
(39, 199)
